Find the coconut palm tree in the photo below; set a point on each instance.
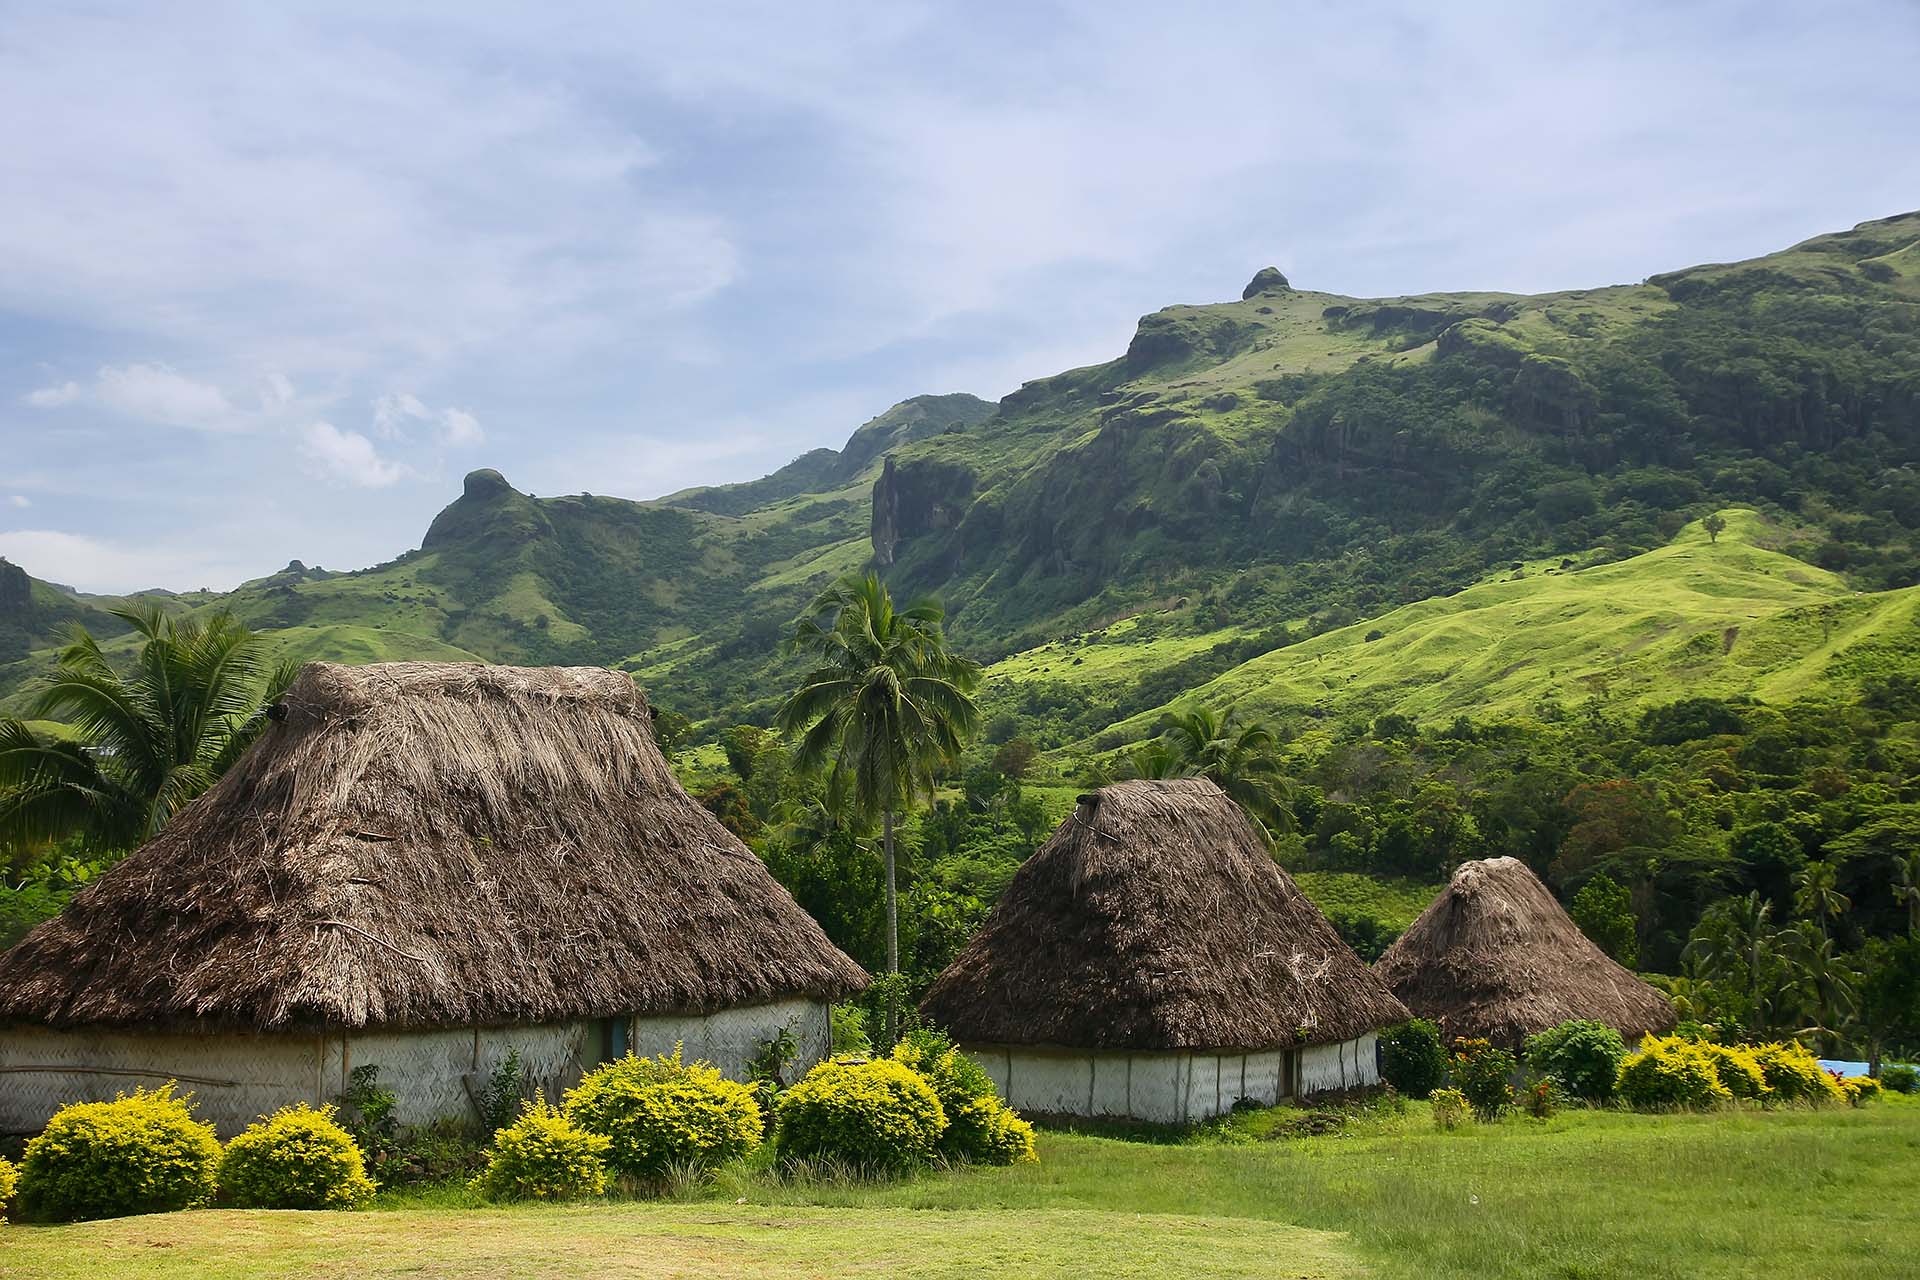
(1243, 760)
(138, 747)
(886, 705)
(1906, 888)
(1737, 947)
(1816, 895)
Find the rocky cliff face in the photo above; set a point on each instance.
(16, 594)
(921, 497)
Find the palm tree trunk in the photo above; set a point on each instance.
(893, 926)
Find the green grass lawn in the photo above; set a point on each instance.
(1588, 1194)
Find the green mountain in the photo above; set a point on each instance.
(1250, 491)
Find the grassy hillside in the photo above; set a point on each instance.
(1692, 618)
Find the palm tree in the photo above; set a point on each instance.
(1243, 760)
(1736, 944)
(887, 704)
(1817, 894)
(1906, 888)
(1824, 979)
(142, 745)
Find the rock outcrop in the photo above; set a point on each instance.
(1265, 280)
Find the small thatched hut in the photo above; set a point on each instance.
(1496, 958)
(1151, 961)
(420, 866)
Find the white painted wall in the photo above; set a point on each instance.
(235, 1078)
(1168, 1087)
(1350, 1065)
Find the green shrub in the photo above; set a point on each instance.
(500, 1103)
(662, 1113)
(980, 1127)
(1449, 1108)
(1485, 1075)
(1544, 1098)
(9, 1179)
(1901, 1079)
(880, 1116)
(1671, 1073)
(850, 1030)
(1412, 1059)
(1795, 1075)
(1584, 1056)
(1739, 1071)
(544, 1156)
(366, 1112)
(141, 1153)
(296, 1158)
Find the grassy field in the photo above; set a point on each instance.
(1586, 1195)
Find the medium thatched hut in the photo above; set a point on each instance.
(1495, 957)
(420, 866)
(1151, 961)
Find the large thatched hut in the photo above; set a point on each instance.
(1152, 961)
(1495, 957)
(419, 866)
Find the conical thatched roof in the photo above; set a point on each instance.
(1154, 918)
(1495, 957)
(431, 844)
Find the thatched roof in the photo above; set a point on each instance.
(1495, 957)
(431, 844)
(1154, 918)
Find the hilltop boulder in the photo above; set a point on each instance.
(1265, 280)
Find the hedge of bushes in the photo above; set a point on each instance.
(1589, 1061)
(644, 1121)
(145, 1153)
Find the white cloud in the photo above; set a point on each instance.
(393, 412)
(100, 564)
(55, 396)
(347, 457)
(157, 393)
(19, 500)
(458, 428)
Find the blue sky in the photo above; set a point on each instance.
(272, 278)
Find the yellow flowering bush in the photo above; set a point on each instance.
(987, 1131)
(661, 1113)
(9, 1178)
(1739, 1070)
(1795, 1075)
(880, 1116)
(544, 1156)
(1671, 1073)
(296, 1158)
(141, 1153)
(1449, 1108)
(980, 1127)
(1860, 1090)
